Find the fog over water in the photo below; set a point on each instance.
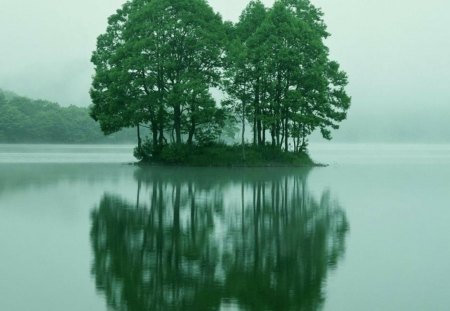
(395, 52)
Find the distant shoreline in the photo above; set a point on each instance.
(130, 144)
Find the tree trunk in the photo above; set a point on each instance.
(258, 113)
(273, 134)
(286, 135)
(139, 138)
(191, 132)
(259, 132)
(282, 135)
(155, 136)
(177, 122)
(263, 134)
(277, 133)
(243, 131)
(254, 130)
(161, 127)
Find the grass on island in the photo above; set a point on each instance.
(221, 155)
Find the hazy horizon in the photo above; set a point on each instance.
(395, 54)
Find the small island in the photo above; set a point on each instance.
(223, 155)
(189, 81)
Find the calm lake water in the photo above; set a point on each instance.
(80, 230)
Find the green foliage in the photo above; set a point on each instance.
(175, 154)
(158, 60)
(220, 155)
(23, 120)
(155, 65)
(145, 151)
(280, 77)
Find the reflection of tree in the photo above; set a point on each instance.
(262, 242)
(284, 247)
(147, 259)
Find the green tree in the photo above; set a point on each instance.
(245, 70)
(280, 76)
(155, 65)
(116, 93)
(158, 60)
(318, 92)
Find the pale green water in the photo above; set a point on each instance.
(80, 231)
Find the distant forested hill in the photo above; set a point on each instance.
(23, 120)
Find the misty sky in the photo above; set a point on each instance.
(396, 52)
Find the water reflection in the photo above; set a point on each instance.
(212, 240)
(16, 177)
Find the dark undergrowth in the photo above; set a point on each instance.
(222, 155)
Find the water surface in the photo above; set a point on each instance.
(80, 230)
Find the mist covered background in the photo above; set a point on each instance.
(396, 53)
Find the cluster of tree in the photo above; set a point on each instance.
(184, 246)
(159, 60)
(23, 120)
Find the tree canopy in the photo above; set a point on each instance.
(158, 62)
